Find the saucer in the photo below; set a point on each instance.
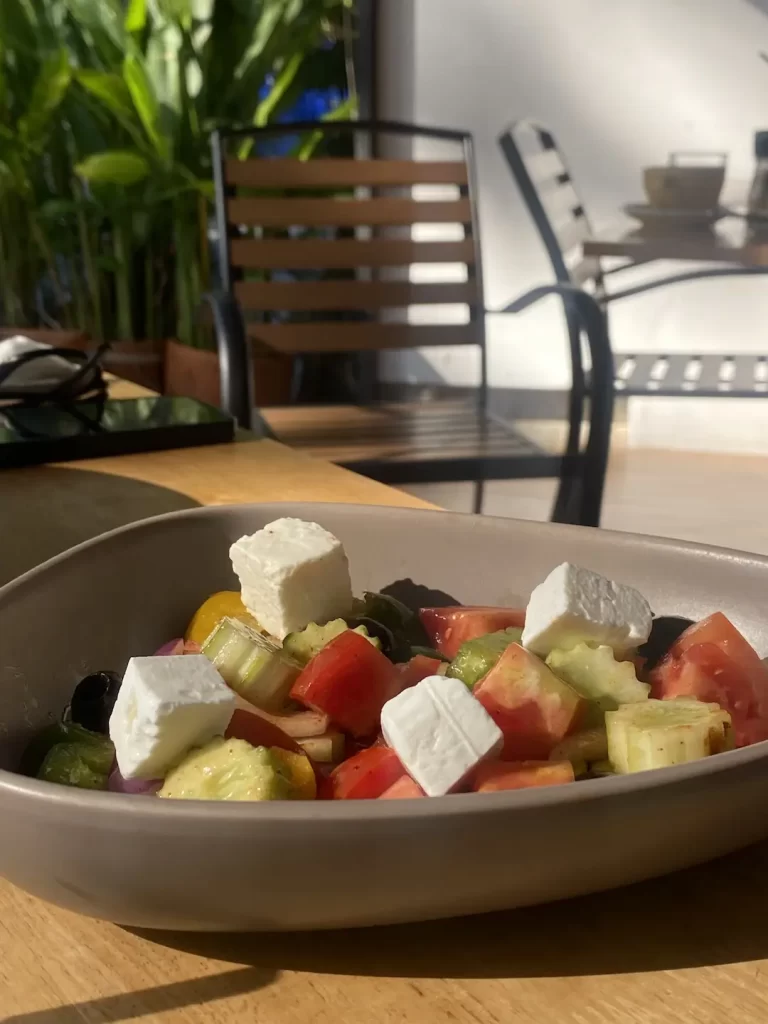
(658, 218)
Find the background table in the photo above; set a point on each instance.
(689, 949)
(730, 241)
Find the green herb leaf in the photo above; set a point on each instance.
(115, 167)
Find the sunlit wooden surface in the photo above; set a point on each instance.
(46, 509)
(689, 949)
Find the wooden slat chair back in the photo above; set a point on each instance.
(359, 224)
(339, 254)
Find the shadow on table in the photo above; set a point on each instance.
(52, 508)
(714, 914)
(149, 1001)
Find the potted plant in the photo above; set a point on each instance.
(35, 76)
(105, 115)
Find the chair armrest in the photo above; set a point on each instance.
(235, 362)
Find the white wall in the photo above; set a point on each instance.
(621, 83)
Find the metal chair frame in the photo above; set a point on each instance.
(747, 377)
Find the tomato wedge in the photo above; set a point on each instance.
(411, 672)
(366, 775)
(449, 628)
(494, 776)
(248, 726)
(404, 789)
(533, 708)
(719, 630)
(350, 681)
(712, 661)
(710, 672)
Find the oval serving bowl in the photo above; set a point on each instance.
(209, 866)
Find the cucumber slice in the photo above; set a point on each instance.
(327, 749)
(228, 770)
(587, 746)
(601, 770)
(83, 764)
(477, 657)
(660, 733)
(254, 666)
(306, 643)
(596, 674)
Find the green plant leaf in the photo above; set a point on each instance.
(115, 167)
(271, 102)
(283, 82)
(106, 263)
(136, 16)
(187, 185)
(267, 24)
(48, 91)
(202, 10)
(57, 209)
(146, 104)
(112, 94)
(18, 25)
(163, 66)
(5, 92)
(186, 11)
(346, 109)
(6, 178)
(110, 90)
(103, 21)
(200, 36)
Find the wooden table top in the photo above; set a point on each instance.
(96, 495)
(729, 242)
(688, 949)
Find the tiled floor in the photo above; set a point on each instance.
(716, 499)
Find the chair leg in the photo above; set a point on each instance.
(591, 496)
(595, 458)
(567, 501)
(479, 497)
(568, 492)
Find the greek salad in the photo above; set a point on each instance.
(293, 688)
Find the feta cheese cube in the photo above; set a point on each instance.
(292, 573)
(165, 707)
(440, 732)
(574, 605)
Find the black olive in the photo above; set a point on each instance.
(396, 616)
(391, 645)
(93, 700)
(416, 596)
(664, 632)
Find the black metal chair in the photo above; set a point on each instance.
(548, 190)
(268, 211)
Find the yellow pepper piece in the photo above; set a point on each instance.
(225, 603)
(301, 773)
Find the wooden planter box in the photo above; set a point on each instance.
(195, 372)
(138, 361)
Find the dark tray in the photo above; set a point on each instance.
(31, 435)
